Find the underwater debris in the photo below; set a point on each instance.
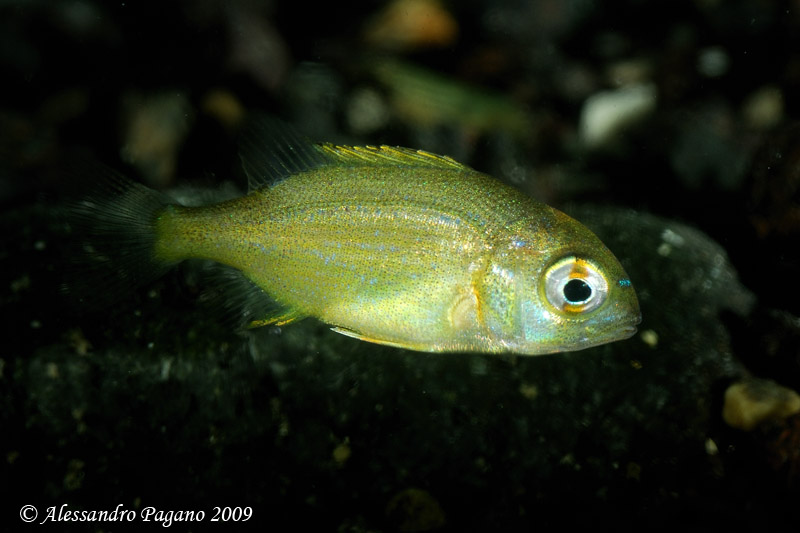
(752, 402)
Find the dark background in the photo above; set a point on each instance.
(158, 402)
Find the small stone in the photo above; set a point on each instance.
(606, 114)
(413, 510)
(753, 401)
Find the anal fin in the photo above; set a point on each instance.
(240, 302)
(375, 340)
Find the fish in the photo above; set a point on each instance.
(389, 245)
(427, 98)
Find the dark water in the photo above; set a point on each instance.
(158, 403)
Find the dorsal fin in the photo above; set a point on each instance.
(388, 156)
(271, 151)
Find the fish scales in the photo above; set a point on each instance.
(369, 248)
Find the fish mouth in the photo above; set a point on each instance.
(620, 333)
(627, 331)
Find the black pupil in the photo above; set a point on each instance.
(577, 291)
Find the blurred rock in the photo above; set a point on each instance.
(411, 24)
(605, 115)
(713, 61)
(775, 183)
(224, 107)
(256, 46)
(415, 510)
(753, 402)
(155, 128)
(763, 108)
(710, 147)
(367, 111)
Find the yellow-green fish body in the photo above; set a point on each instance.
(399, 247)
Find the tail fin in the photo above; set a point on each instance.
(114, 229)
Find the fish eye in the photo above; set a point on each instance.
(575, 285)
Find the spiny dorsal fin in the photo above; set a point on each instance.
(387, 156)
(271, 151)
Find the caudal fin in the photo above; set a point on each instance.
(114, 235)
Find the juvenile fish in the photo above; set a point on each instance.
(388, 245)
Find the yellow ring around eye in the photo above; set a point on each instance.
(578, 297)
